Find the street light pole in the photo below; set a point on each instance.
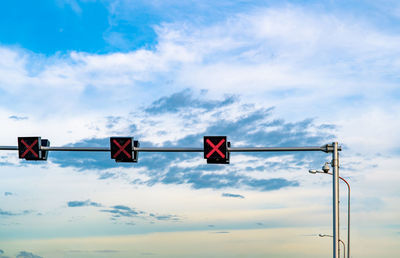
(348, 217)
(325, 170)
(348, 205)
(335, 193)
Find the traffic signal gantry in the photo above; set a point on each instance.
(216, 150)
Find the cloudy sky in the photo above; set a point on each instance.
(263, 73)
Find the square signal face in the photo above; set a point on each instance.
(215, 150)
(122, 149)
(29, 148)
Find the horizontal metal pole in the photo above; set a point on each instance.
(166, 149)
(266, 149)
(324, 148)
(105, 149)
(75, 148)
(8, 147)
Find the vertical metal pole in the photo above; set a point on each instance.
(335, 165)
(348, 224)
(344, 248)
(348, 216)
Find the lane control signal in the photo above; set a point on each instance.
(29, 148)
(216, 149)
(122, 149)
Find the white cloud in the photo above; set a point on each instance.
(287, 56)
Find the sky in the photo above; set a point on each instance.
(262, 73)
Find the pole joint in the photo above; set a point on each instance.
(328, 148)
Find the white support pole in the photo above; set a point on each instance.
(335, 166)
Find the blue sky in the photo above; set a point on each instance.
(48, 27)
(263, 73)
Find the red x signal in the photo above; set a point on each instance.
(29, 148)
(215, 148)
(122, 148)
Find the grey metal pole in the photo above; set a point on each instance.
(348, 225)
(344, 248)
(8, 147)
(325, 148)
(335, 182)
(348, 216)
